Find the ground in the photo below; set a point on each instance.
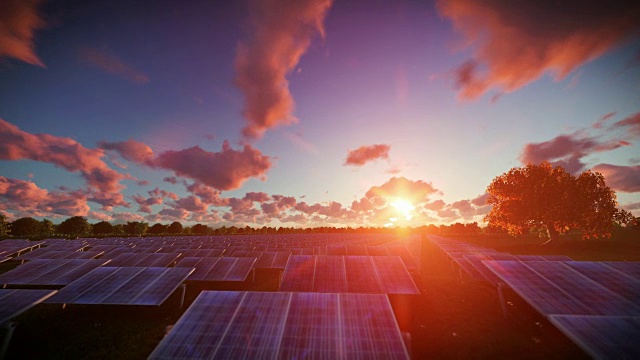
(454, 318)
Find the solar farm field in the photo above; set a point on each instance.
(453, 315)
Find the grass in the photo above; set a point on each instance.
(454, 318)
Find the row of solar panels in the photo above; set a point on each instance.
(596, 304)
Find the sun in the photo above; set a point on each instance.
(404, 207)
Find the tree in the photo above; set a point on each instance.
(200, 229)
(175, 228)
(136, 227)
(47, 228)
(157, 229)
(75, 226)
(4, 226)
(547, 196)
(25, 227)
(102, 228)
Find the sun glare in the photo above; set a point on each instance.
(404, 207)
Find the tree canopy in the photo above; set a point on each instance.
(4, 226)
(547, 196)
(75, 226)
(25, 227)
(175, 228)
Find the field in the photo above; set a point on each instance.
(453, 318)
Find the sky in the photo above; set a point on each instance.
(310, 112)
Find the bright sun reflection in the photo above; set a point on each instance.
(404, 207)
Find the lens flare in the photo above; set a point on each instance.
(404, 207)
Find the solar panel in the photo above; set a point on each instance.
(629, 268)
(602, 337)
(144, 260)
(621, 284)
(49, 272)
(596, 297)
(330, 274)
(539, 292)
(299, 273)
(476, 260)
(362, 274)
(393, 275)
(14, 302)
(312, 327)
(266, 260)
(369, 328)
(123, 286)
(219, 269)
(260, 325)
(45, 253)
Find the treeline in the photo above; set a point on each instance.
(78, 226)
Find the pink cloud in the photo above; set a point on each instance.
(171, 180)
(99, 216)
(130, 150)
(516, 42)
(281, 34)
(415, 192)
(19, 20)
(190, 203)
(225, 170)
(567, 150)
(28, 199)
(620, 178)
(365, 154)
(631, 123)
(207, 194)
(111, 64)
(146, 203)
(598, 124)
(157, 192)
(127, 216)
(173, 214)
(66, 153)
(260, 197)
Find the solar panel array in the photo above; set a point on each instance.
(56, 272)
(349, 274)
(47, 253)
(218, 268)
(109, 285)
(261, 325)
(11, 247)
(14, 302)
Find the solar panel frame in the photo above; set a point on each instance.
(361, 275)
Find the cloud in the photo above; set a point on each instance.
(620, 178)
(171, 180)
(516, 42)
(567, 150)
(111, 64)
(27, 199)
(225, 170)
(190, 203)
(130, 150)
(281, 34)
(631, 124)
(415, 192)
(126, 216)
(207, 194)
(146, 203)
(66, 153)
(365, 154)
(598, 124)
(19, 20)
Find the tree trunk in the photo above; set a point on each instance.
(552, 235)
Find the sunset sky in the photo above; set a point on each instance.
(309, 112)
